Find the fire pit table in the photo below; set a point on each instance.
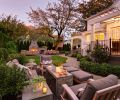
(55, 80)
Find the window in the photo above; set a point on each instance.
(99, 36)
(88, 38)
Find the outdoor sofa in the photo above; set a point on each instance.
(29, 73)
(106, 88)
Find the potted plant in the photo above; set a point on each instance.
(12, 81)
(38, 83)
(58, 66)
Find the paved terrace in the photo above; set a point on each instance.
(73, 62)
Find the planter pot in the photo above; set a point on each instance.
(12, 97)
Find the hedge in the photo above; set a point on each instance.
(103, 69)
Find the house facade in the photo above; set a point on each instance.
(103, 27)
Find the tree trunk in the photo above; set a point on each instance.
(58, 41)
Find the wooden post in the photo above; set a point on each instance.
(97, 42)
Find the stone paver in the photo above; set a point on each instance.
(73, 62)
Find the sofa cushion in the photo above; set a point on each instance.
(96, 85)
(71, 69)
(81, 75)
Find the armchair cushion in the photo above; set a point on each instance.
(78, 89)
(96, 85)
(75, 88)
(80, 92)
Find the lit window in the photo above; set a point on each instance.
(88, 38)
(99, 36)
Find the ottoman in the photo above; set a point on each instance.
(71, 69)
(81, 76)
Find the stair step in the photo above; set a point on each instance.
(115, 60)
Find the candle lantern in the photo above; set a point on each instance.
(44, 90)
(58, 69)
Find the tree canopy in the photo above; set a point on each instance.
(93, 6)
(10, 29)
(59, 17)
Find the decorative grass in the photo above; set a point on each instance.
(36, 58)
(58, 60)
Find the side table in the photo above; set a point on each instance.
(28, 94)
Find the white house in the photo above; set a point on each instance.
(104, 27)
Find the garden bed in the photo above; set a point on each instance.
(102, 69)
(58, 60)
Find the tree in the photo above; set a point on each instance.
(10, 29)
(41, 31)
(93, 6)
(59, 17)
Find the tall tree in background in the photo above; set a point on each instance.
(93, 6)
(10, 29)
(59, 17)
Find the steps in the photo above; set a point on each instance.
(115, 60)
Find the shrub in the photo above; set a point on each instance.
(66, 47)
(115, 70)
(79, 56)
(13, 56)
(100, 54)
(3, 54)
(11, 46)
(23, 45)
(21, 59)
(99, 69)
(74, 55)
(67, 53)
(12, 80)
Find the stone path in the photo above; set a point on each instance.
(73, 62)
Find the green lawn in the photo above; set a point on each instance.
(36, 58)
(58, 60)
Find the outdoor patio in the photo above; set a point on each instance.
(60, 50)
(55, 81)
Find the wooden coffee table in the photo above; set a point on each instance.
(28, 94)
